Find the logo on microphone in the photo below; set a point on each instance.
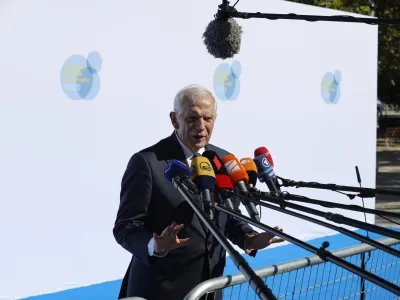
(226, 80)
(330, 87)
(244, 161)
(217, 163)
(232, 167)
(79, 76)
(265, 162)
(205, 166)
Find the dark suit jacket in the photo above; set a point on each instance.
(149, 203)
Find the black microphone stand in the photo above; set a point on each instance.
(321, 252)
(337, 218)
(226, 11)
(255, 281)
(288, 196)
(363, 192)
(345, 231)
(362, 284)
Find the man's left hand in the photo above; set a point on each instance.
(261, 241)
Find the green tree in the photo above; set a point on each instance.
(388, 40)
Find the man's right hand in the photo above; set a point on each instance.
(168, 240)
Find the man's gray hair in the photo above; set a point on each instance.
(191, 92)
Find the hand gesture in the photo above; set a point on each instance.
(262, 240)
(168, 240)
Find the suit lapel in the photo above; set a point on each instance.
(175, 150)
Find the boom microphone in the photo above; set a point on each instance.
(223, 180)
(175, 168)
(240, 179)
(222, 36)
(204, 178)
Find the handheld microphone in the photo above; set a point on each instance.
(222, 36)
(175, 169)
(251, 169)
(263, 150)
(240, 178)
(223, 180)
(266, 173)
(204, 178)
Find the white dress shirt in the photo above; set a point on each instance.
(189, 156)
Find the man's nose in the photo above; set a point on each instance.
(201, 125)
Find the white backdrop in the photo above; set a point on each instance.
(61, 160)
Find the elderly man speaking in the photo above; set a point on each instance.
(172, 251)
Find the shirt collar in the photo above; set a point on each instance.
(188, 153)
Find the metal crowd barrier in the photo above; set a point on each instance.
(313, 278)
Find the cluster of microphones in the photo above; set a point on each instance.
(221, 181)
(209, 174)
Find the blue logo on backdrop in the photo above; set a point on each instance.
(330, 87)
(80, 76)
(226, 81)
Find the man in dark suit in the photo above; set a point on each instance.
(172, 251)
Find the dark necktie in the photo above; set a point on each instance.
(195, 155)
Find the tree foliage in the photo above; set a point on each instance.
(388, 40)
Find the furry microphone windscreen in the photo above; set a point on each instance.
(222, 38)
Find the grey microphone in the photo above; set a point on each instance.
(222, 36)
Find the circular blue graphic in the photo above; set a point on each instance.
(79, 76)
(330, 87)
(226, 80)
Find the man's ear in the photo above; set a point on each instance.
(174, 119)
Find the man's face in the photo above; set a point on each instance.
(195, 124)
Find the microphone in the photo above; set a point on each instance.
(222, 36)
(204, 178)
(255, 281)
(266, 173)
(251, 169)
(263, 150)
(178, 170)
(240, 178)
(223, 180)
